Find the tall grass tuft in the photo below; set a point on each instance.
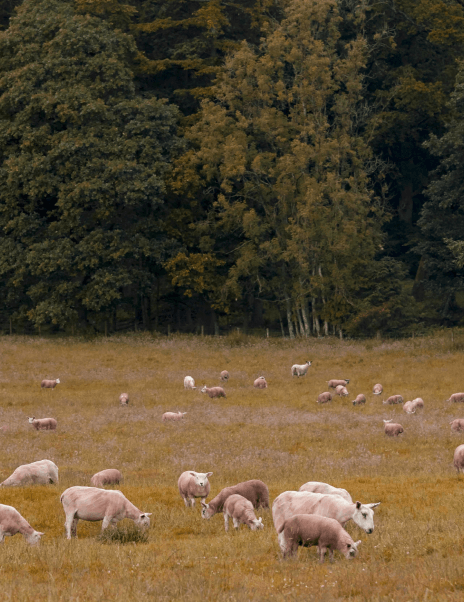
(122, 534)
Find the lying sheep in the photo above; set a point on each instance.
(312, 530)
(260, 383)
(189, 383)
(334, 383)
(456, 397)
(49, 384)
(109, 476)
(360, 399)
(378, 389)
(457, 425)
(225, 376)
(393, 399)
(11, 522)
(240, 510)
(324, 397)
(409, 407)
(300, 370)
(43, 424)
(255, 491)
(393, 429)
(43, 472)
(214, 392)
(173, 416)
(341, 390)
(193, 484)
(124, 399)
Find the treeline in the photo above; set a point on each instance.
(286, 164)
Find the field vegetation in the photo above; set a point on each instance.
(279, 435)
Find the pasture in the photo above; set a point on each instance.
(279, 435)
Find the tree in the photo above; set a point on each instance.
(82, 166)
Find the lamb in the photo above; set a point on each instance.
(326, 489)
(240, 510)
(43, 472)
(214, 392)
(255, 491)
(456, 397)
(110, 476)
(457, 425)
(334, 383)
(458, 460)
(378, 389)
(409, 407)
(393, 429)
(393, 399)
(341, 390)
(11, 522)
(225, 376)
(49, 384)
(93, 504)
(300, 370)
(124, 399)
(43, 424)
(173, 416)
(189, 383)
(260, 383)
(360, 399)
(192, 485)
(311, 530)
(324, 397)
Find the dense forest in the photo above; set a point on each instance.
(202, 165)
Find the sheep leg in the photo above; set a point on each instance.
(192, 502)
(106, 522)
(226, 521)
(331, 554)
(68, 524)
(322, 551)
(236, 523)
(74, 526)
(186, 502)
(2, 536)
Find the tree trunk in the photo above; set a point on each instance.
(406, 204)
(316, 324)
(304, 313)
(289, 318)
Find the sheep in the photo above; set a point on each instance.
(418, 403)
(324, 397)
(334, 383)
(300, 370)
(457, 425)
(360, 399)
(240, 510)
(255, 491)
(42, 472)
(409, 407)
(393, 399)
(109, 476)
(49, 384)
(173, 416)
(378, 389)
(458, 459)
(124, 399)
(193, 484)
(189, 383)
(393, 429)
(43, 424)
(260, 383)
(225, 376)
(214, 392)
(456, 397)
(341, 390)
(11, 522)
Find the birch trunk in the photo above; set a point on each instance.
(289, 318)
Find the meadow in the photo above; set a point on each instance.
(279, 435)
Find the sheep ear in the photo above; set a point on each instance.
(358, 542)
(194, 474)
(209, 474)
(373, 505)
(204, 505)
(358, 505)
(260, 520)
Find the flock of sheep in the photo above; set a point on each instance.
(313, 516)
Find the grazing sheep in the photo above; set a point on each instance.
(109, 476)
(378, 389)
(418, 403)
(240, 510)
(11, 522)
(300, 370)
(326, 489)
(457, 425)
(456, 397)
(255, 491)
(311, 530)
(360, 399)
(192, 485)
(334, 383)
(324, 397)
(341, 390)
(173, 416)
(43, 472)
(409, 407)
(225, 376)
(43, 424)
(124, 399)
(189, 383)
(458, 460)
(214, 392)
(93, 504)
(260, 383)
(49, 384)
(394, 399)
(393, 429)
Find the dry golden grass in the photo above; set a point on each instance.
(279, 435)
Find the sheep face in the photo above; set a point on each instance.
(206, 511)
(31, 420)
(201, 478)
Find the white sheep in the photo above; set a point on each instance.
(193, 484)
(225, 376)
(260, 383)
(378, 389)
(342, 391)
(49, 384)
(214, 392)
(300, 370)
(173, 416)
(189, 383)
(124, 399)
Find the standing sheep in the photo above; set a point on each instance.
(43, 472)
(341, 390)
(109, 476)
(225, 376)
(456, 397)
(189, 383)
(124, 399)
(49, 384)
(393, 429)
(360, 399)
(43, 424)
(173, 416)
(260, 383)
(378, 389)
(11, 522)
(324, 397)
(334, 383)
(458, 460)
(457, 425)
(240, 510)
(255, 491)
(393, 399)
(193, 484)
(214, 392)
(300, 370)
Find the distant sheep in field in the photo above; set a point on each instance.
(43, 424)
(110, 476)
(167, 416)
(360, 399)
(393, 429)
(341, 390)
(240, 510)
(225, 376)
(49, 384)
(189, 383)
(42, 472)
(393, 399)
(457, 425)
(458, 460)
(300, 370)
(409, 407)
(456, 397)
(260, 383)
(378, 389)
(324, 397)
(192, 485)
(214, 392)
(124, 399)
(334, 383)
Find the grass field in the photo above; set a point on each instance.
(279, 435)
